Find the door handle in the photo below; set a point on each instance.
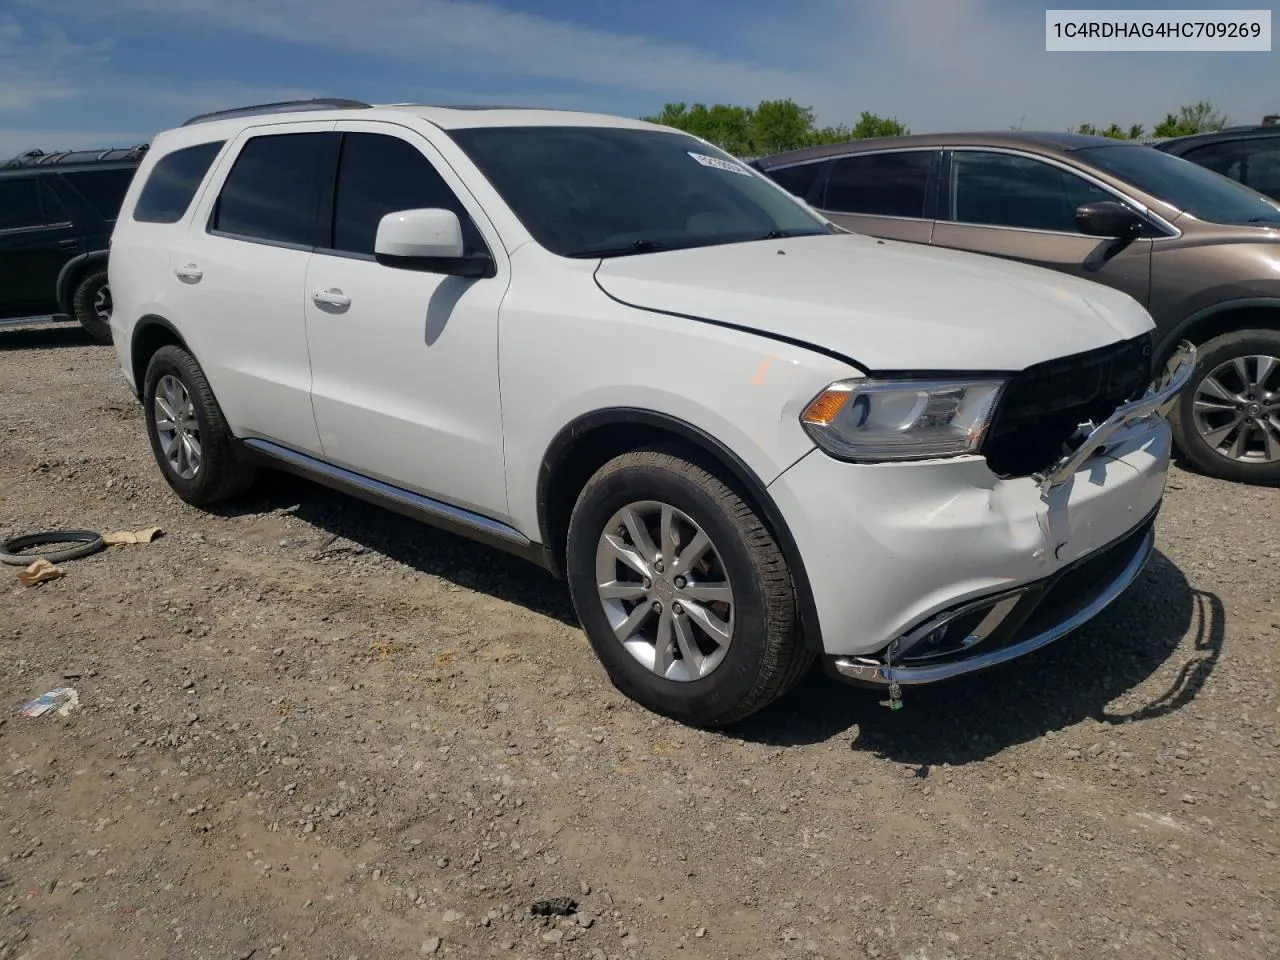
(189, 272)
(68, 243)
(332, 297)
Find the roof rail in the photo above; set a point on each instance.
(284, 106)
(59, 158)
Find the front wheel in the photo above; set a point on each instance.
(1227, 422)
(682, 590)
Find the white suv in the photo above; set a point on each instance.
(745, 437)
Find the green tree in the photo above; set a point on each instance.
(772, 126)
(778, 125)
(869, 125)
(1200, 117)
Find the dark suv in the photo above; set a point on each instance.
(57, 211)
(1199, 251)
(1250, 155)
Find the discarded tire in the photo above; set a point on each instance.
(79, 543)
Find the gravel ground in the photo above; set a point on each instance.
(308, 728)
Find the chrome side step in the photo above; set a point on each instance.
(405, 502)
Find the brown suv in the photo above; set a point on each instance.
(1199, 251)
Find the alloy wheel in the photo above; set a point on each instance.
(1236, 409)
(102, 303)
(665, 590)
(177, 427)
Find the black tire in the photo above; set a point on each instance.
(765, 656)
(221, 473)
(85, 305)
(80, 543)
(1211, 355)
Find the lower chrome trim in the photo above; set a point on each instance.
(871, 671)
(406, 502)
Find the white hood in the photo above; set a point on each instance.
(885, 305)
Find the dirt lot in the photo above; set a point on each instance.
(309, 728)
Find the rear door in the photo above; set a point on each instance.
(238, 276)
(37, 236)
(1019, 207)
(888, 194)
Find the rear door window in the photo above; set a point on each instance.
(881, 184)
(804, 180)
(173, 182)
(103, 190)
(275, 189)
(20, 204)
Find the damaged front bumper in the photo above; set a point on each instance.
(993, 630)
(1003, 625)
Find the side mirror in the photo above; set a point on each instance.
(429, 240)
(1106, 218)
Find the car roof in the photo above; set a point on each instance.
(1181, 144)
(1039, 141)
(226, 122)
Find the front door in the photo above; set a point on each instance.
(1023, 208)
(405, 363)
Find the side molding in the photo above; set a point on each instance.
(441, 515)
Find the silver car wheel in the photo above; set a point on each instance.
(1236, 409)
(665, 590)
(177, 427)
(102, 304)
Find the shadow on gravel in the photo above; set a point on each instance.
(1076, 678)
(350, 522)
(44, 337)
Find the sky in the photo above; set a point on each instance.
(87, 73)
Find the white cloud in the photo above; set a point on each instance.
(477, 36)
(33, 68)
(934, 64)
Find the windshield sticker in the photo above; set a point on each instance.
(719, 164)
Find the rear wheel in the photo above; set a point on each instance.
(189, 435)
(1227, 421)
(92, 305)
(682, 591)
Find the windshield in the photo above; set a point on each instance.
(1191, 188)
(606, 191)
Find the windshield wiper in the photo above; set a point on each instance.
(636, 246)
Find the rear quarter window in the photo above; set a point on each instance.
(103, 190)
(173, 182)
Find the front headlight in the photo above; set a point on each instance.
(901, 419)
